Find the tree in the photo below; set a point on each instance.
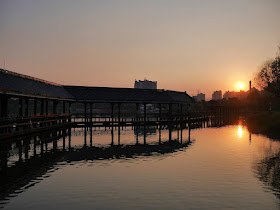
(268, 78)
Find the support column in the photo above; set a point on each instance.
(85, 137)
(145, 110)
(112, 135)
(90, 140)
(112, 112)
(170, 132)
(20, 107)
(90, 111)
(35, 107)
(178, 111)
(189, 133)
(145, 135)
(69, 138)
(54, 107)
(160, 113)
(47, 107)
(42, 107)
(137, 108)
(4, 105)
(181, 110)
(119, 112)
(70, 103)
(170, 112)
(119, 135)
(159, 134)
(64, 107)
(26, 107)
(85, 112)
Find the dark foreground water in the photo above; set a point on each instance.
(212, 168)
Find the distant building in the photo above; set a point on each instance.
(199, 97)
(145, 84)
(217, 95)
(232, 94)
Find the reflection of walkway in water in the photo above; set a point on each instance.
(24, 162)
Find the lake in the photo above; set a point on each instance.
(219, 167)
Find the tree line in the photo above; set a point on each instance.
(268, 77)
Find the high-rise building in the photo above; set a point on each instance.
(217, 95)
(199, 97)
(145, 84)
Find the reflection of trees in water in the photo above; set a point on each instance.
(268, 170)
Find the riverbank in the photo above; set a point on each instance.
(267, 123)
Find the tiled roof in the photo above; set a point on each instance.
(103, 94)
(14, 83)
(19, 84)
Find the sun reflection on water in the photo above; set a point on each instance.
(240, 131)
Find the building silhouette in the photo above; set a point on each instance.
(145, 84)
(199, 97)
(233, 94)
(217, 95)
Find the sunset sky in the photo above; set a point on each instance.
(197, 45)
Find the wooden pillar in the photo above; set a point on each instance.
(47, 107)
(170, 133)
(35, 107)
(145, 135)
(64, 107)
(20, 107)
(90, 140)
(70, 103)
(112, 135)
(85, 137)
(119, 135)
(26, 106)
(170, 112)
(69, 138)
(119, 112)
(159, 134)
(85, 112)
(90, 111)
(160, 112)
(181, 135)
(35, 145)
(54, 106)
(112, 112)
(189, 133)
(4, 105)
(137, 108)
(42, 106)
(145, 110)
(178, 111)
(181, 109)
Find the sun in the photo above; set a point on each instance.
(240, 86)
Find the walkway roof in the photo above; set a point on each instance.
(106, 94)
(16, 84)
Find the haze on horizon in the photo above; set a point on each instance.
(184, 45)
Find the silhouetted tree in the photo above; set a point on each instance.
(268, 78)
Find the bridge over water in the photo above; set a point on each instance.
(29, 103)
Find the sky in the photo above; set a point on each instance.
(186, 45)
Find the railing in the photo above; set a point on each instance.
(21, 125)
(107, 120)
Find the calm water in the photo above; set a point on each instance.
(213, 168)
